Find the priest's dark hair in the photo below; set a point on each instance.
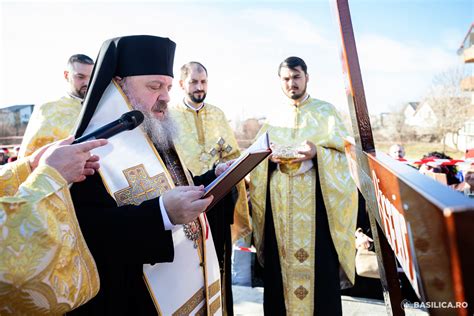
(293, 62)
(80, 58)
(186, 68)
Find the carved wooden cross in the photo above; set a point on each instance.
(221, 148)
(412, 217)
(142, 187)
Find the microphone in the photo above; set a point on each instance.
(127, 121)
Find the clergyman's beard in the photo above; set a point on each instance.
(162, 131)
(197, 100)
(298, 95)
(78, 92)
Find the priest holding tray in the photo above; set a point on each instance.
(142, 217)
(304, 203)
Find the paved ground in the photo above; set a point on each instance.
(248, 301)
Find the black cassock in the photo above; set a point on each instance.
(121, 239)
(327, 294)
(220, 217)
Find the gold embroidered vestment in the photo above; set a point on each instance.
(293, 200)
(45, 265)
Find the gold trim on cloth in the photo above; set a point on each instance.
(191, 304)
(198, 297)
(199, 127)
(318, 122)
(214, 288)
(215, 306)
(203, 257)
(202, 311)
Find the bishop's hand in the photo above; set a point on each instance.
(184, 204)
(222, 167)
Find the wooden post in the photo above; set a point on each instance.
(363, 134)
(425, 225)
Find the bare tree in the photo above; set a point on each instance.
(391, 126)
(400, 131)
(450, 104)
(6, 128)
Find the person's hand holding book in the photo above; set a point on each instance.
(220, 168)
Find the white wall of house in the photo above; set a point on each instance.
(424, 116)
(409, 111)
(10, 113)
(25, 114)
(464, 139)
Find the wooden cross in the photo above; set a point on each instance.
(141, 187)
(221, 148)
(424, 224)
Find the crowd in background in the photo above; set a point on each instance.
(458, 175)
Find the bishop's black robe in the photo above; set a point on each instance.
(220, 217)
(122, 239)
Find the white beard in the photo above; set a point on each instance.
(161, 132)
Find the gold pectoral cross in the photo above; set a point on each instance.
(220, 148)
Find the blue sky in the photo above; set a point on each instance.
(401, 44)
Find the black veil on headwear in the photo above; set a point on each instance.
(134, 55)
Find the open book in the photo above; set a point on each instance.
(242, 166)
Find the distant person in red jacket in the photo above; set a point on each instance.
(15, 155)
(3, 156)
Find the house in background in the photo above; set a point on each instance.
(424, 119)
(421, 116)
(464, 138)
(13, 122)
(410, 109)
(466, 51)
(18, 113)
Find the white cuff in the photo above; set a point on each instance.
(305, 166)
(166, 220)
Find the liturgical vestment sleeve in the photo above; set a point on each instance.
(44, 261)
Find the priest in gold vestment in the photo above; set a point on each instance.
(304, 204)
(46, 267)
(205, 139)
(56, 120)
